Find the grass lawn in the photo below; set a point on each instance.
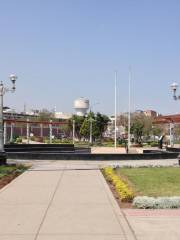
(161, 181)
(9, 172)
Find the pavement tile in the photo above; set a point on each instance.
(17, 237)
(20, 195)
(37, 178)
(83, 218)
(72, 194)
(156, 226)
(81, 236)
(160, 235)
(24, 219)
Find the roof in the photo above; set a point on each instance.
(167, 119)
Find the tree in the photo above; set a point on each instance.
(157, 131)
(99, 125)
(102, 124)
(122, 120)
(66, 129)
(85, 128)
(141, 126)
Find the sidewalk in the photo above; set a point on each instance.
(70, 200)
(51, 204)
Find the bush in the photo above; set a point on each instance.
(137, 145)
(32, 138)
(18, 140)
(39, 139)
(125, 194)
(154, 144)
(156, 203)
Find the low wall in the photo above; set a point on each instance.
(3, 158)
(39, 148)
(173, 149)
(88, 156)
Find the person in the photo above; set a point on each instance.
(126, 146)
(161, 141)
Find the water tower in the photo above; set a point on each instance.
(81, 105)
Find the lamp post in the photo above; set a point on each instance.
(91, 120)
(3, 90)
(73, 131)
(174, 88)
(92, 105)
(50, 132)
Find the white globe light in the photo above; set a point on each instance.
(174, 86)
(13, 78)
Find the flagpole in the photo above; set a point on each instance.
(129, 110)
(115, 110)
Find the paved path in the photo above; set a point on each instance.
(154, 224)
(60, 200)
(60, 164)
(54, 204)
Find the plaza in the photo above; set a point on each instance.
(71, 200)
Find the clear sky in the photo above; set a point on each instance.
(65, 49)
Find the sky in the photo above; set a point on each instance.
(65, 49)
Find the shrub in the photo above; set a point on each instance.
(32, 138)
(18, 140)
(156, 203)
(154, 144)
(137, 145)
(123, 190)
(39, 139)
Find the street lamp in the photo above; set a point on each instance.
(3, 90)
(91, 128)
(92, 105)
(73, 131)
(174, 88)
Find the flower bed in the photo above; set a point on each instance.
(145, 188)
(156, 203)
(122, 188)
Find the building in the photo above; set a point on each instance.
(150, 113)
(61, 115)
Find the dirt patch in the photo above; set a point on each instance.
(120, 203)
(7, 179)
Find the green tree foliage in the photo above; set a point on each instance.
(157, 130)
(141, 126)
(99, 125)
(65, 129)
(78, 123)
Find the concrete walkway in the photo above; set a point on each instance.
(60, 200)
(51, 204)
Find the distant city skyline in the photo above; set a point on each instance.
(64, 49)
